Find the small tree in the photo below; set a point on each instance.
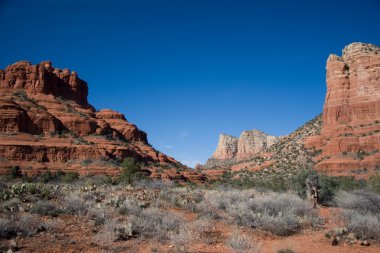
(130, 170)
(15, 172)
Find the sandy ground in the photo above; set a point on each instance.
(73, 234)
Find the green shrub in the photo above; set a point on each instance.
(130, 171)
(329, 186)
(22, 191)
(298, 182)
(44, 207)
(374, 183)
(46, 177)
(15, 172)
(285, 251)
(70, 177)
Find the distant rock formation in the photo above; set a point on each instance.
(231, 149)
(227, 147)
(350, 135)
(46, 123)
(253, 142)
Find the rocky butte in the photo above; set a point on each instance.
(350, 134)
(46, 123)
(231, 149)
(344, 140)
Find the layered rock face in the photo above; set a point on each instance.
(231, 149)
(350, 135)
(44, 79)
(46, 123)
(253, 142)
(227, 147)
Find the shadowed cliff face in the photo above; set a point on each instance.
(350, 135)
(47, 122)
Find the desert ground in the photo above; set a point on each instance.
(64, 213)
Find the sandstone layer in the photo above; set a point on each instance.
(350, 135)
(46, 123)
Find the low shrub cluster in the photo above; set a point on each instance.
(361, 213)
(21, 225)
(24, 190)
(241, 243)
(156, 223)
(281, 214)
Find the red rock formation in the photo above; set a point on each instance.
(253, 142)
(44, 79)
(231, 149)
(350, 135)
(46, 123)
(227, 147)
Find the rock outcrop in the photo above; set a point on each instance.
(350, 135)
(252, 143)
(227, 147)
(231, 149)
(46, 123)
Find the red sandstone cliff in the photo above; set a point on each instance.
(46, 123)
(350, 135)
(346, 141)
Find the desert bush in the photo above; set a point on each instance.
(240, 242)
(181, 238)
(12, 205)
(70, 177)
(363, 225)
(21, 225)
(298, 182)
(192, 231)
(279, 224)
(361, 201)
(281, 214)
(44, 207)
(99, 215)
(99, 180)
(361, 213)
(86, 161)
(23, 190)
(74, 204)
(155, 223)
(153, 184)
(217, 201)
(374, 183)
(46, 177)
(285, 251)
(129, 207)
(113, 231)
(328, 185)
(174, 197)
(107, 235)
(14, 172)
(206, 209)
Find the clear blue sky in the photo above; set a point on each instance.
(185, 71)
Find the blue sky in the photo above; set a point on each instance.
(185, 71)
